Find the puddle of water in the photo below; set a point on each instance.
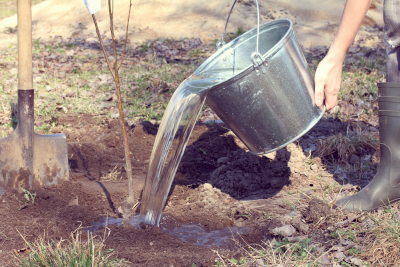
(173, 134)
(221, 239)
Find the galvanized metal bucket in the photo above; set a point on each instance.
(269, 100)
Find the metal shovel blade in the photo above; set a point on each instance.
(27, 159)
(49, 164)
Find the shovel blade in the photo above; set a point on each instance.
(49, 164)
(14, 172)
(50, 159)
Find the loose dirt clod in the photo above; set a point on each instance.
(317, 210)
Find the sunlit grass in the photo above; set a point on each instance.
(73, 252)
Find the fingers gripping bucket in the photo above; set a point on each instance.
(269, 100)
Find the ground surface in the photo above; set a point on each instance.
(219, 184)
(223, 187)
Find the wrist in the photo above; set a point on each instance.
(337, 53)
(336, 56)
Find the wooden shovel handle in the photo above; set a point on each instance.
(25, 79)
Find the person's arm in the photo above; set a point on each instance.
(329, 71)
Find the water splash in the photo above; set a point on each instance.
(221, 239)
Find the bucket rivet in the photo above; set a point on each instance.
(224, 59)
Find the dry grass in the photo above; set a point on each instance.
(375, 239)
(277, 253)
(113, 175)
(344, 146)
(384, 237)
(73, 252)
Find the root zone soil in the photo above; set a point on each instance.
(218, 184)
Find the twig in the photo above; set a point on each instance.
(323, 254)
(26, 242)
(349, 220)
(126, 37)
(137, 204)
(102, 45)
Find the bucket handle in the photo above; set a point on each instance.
(256, 57)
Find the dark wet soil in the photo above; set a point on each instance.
(218, 184)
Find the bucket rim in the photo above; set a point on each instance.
(269, 54)
(388, 85)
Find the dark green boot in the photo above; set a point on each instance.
(385, 187)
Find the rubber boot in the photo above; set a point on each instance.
(385, 187)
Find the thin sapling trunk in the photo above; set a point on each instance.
(114, 67)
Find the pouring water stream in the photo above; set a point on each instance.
(173, 134)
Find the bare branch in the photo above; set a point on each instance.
(126, 37)
(112, 29)
(113, 37)
(102, 45)
(116, 79)
(129, 201)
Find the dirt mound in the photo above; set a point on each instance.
(245, 174)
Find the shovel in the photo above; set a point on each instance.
(27, 159)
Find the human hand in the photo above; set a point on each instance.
(328, 78)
